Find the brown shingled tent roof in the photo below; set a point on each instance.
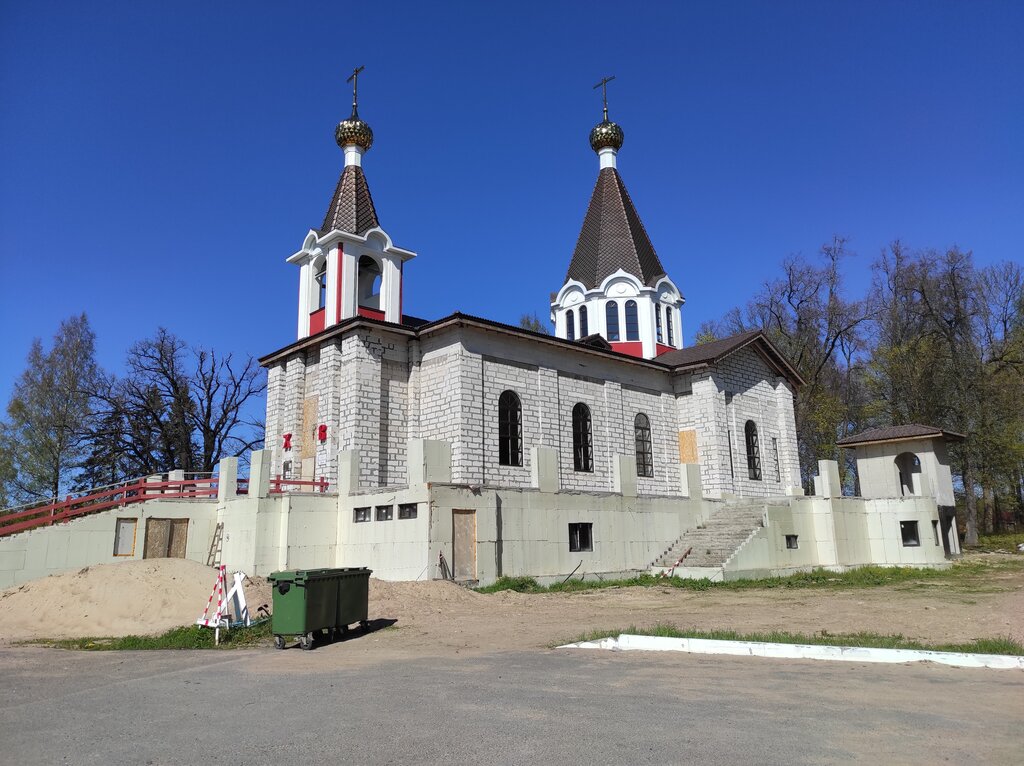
(898, 433)
(613, 237)
(351, 209)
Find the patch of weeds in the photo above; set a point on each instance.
(823, 638)
(187, 637)
(968, 575)
(1004, 542)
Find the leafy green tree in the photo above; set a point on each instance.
(44, 436)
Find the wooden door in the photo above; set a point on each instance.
(464, 545)
(165, 538)
(178, 538)
(158, 537)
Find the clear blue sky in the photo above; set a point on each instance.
(161, 160)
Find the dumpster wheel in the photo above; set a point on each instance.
(306, 640)
(279, 642)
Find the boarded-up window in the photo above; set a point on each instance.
(124, 537)
(308, 445)
(165, 538)
(688, 447)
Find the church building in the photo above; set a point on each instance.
(466, 448)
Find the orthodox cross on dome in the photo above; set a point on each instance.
(354, 79)
(603, 85)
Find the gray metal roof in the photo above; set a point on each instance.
(613, 237)
(351, 207)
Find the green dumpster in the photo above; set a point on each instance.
(312, 603)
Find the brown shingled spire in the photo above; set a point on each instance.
(351, 207)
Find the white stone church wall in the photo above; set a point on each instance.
(524, 379)
(659, 407)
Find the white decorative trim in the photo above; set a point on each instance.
(627, 642)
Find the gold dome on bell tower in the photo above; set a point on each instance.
(606, 134)
(354, 131)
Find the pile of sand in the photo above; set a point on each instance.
(152, 596)
(132, 597)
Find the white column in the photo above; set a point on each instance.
(645, 309)
(348, 284)
(390, 289)
(607, 157)
(303, 327)
(353, 155)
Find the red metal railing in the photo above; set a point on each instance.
(116, 496)
(198, 487)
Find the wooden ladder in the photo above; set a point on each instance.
(213, 557)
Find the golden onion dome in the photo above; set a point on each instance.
(606, 133)
(354, 131)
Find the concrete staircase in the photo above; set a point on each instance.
(714, 542)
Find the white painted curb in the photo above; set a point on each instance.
(626, 642)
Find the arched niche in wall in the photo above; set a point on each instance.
(369, 280)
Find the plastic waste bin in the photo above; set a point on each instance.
(311, 602)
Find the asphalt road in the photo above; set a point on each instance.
(547, 707)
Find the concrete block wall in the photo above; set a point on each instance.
(525, 532)
(89, 540)
(500, 376)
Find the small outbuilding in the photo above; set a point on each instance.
(908, 461)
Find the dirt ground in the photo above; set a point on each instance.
(439, 618)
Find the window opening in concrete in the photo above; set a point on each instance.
(407, 511)
(791, 542)
(668, 325)
(582, 439)
(584, 326)
(570, 324)
(657, 323)
(368, 281)
(753, 451)
(908, 531)
(732, 467)
(935, 531)
(385, 512)
(321, 284)
(581, 537)
(642, 439)
(124, 537)
(775, 456)
(632, 321)
(286, 469)
(510, 429)
(611, 319)
(360, 514)
(907, 465)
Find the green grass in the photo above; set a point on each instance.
(189, 637)
(824, 638)
(968, 574)
(1006, 541)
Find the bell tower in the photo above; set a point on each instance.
(349, 266)
(616, 286)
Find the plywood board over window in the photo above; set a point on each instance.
(309, 424)
(165, 539)
(688, 447)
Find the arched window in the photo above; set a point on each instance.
(584, 330)
(907, 464)
(668, 325)
(570, 324)
(369, 280)
(582, 439)
(632, 323)
(644, 453)
(611, 319)
(321, 283)
(510, 429)
(657, 322)
(753, 452)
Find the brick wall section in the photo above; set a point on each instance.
(499, 376)
(659, 407)
(589, 391)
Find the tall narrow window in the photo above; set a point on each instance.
(510, 429)
(642, 438)
(321, 284)
(611, 319)
(582, 439)
(778, 465)
(657, 322)
(584, 330)
(668, 325)
(632, 322)
(570, 324)
(753, 452)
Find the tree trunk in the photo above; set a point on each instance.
(971, 503)
(989, 520)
